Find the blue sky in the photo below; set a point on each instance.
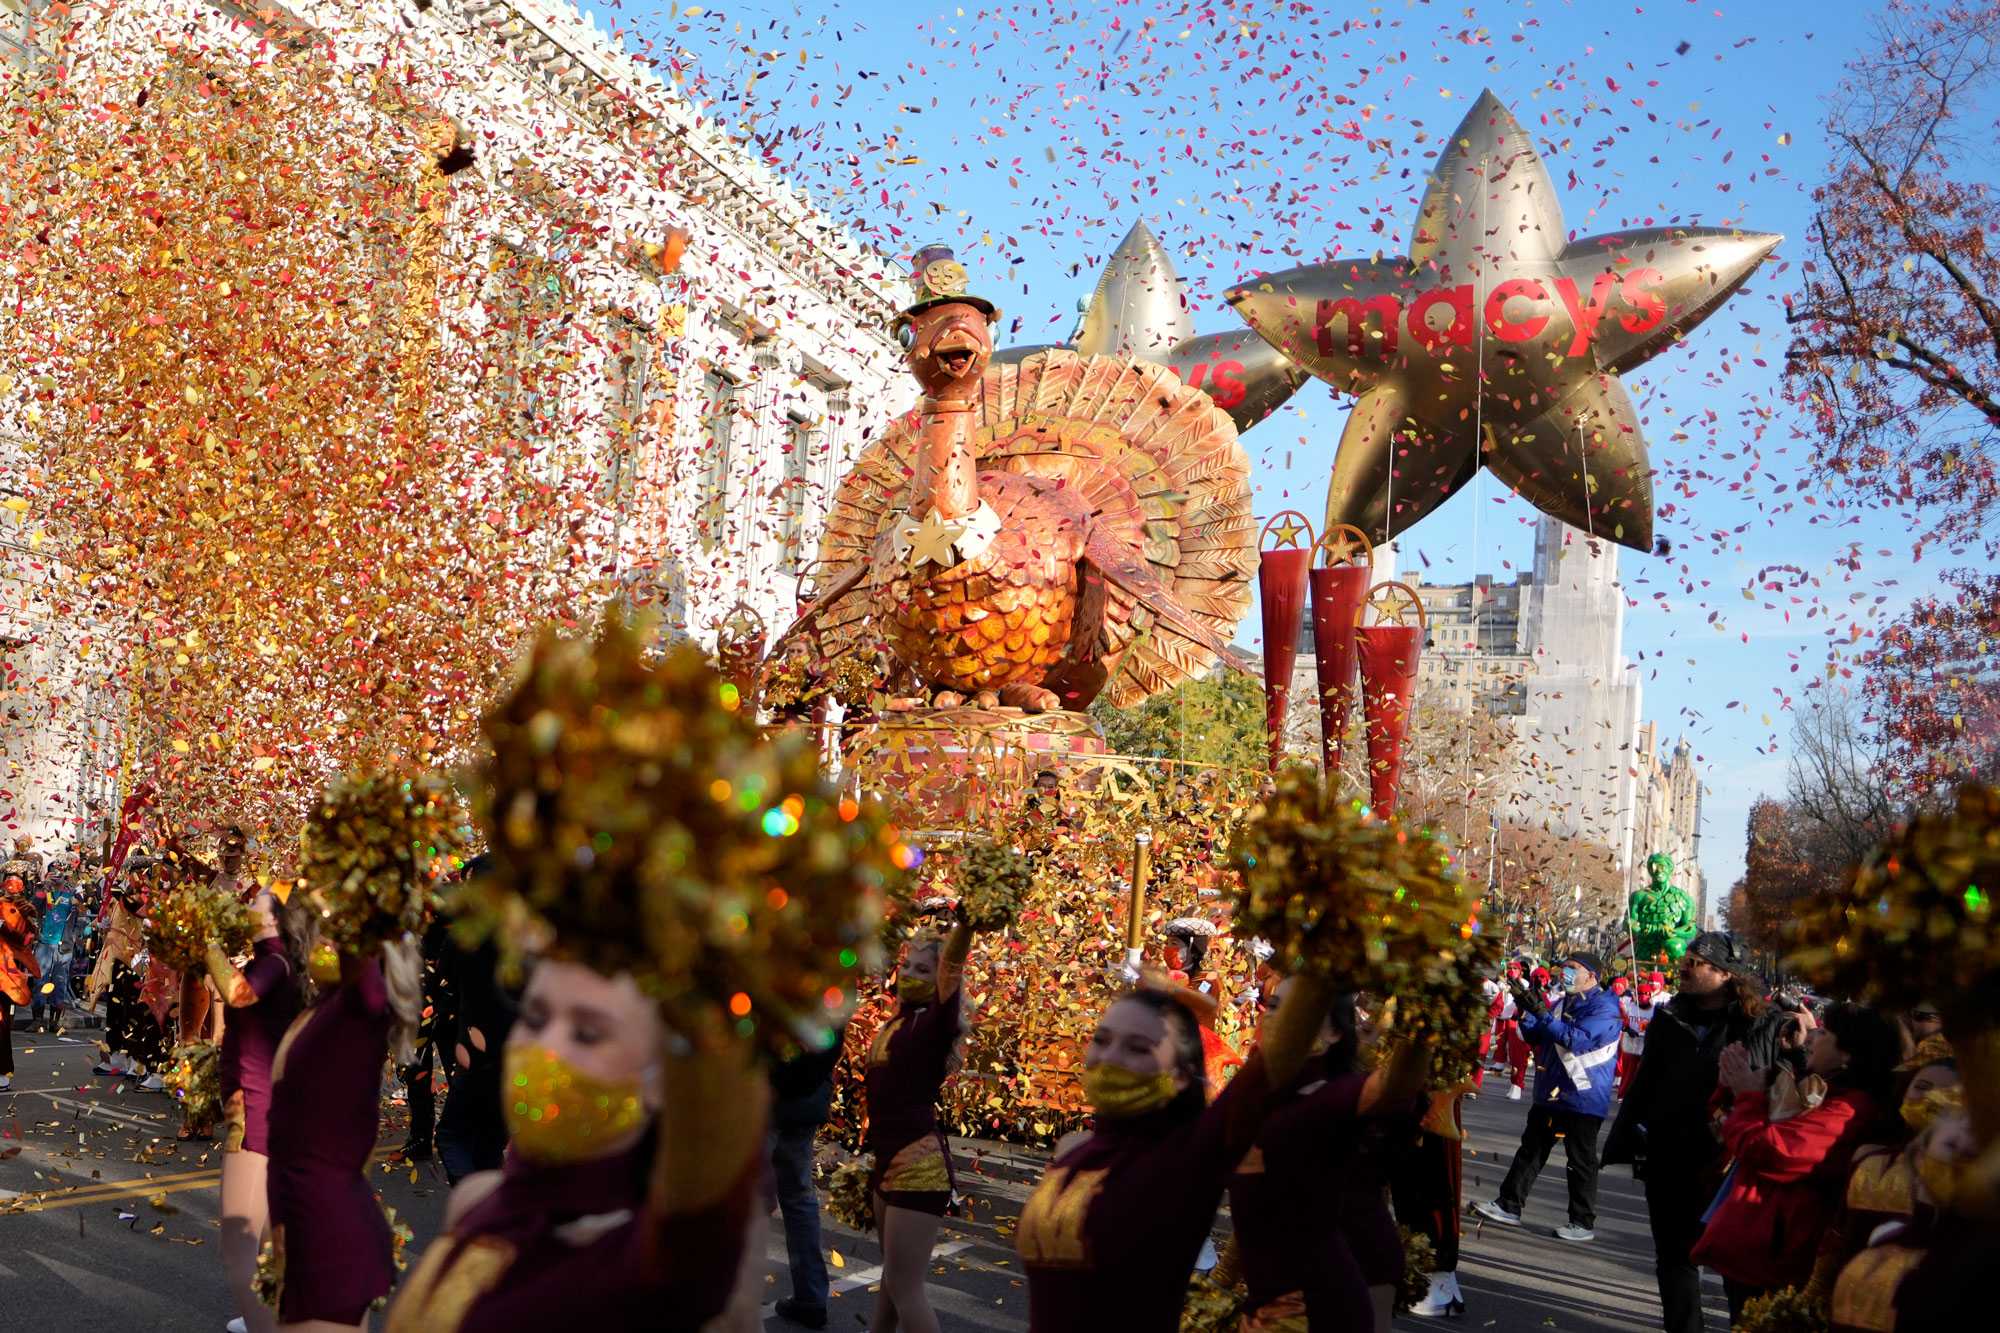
(1254, 136)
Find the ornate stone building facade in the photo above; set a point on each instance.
(717, 404)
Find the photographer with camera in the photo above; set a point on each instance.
(1664, 1128)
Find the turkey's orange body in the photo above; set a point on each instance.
(1005, 616)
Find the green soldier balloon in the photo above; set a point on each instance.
(1662, 916)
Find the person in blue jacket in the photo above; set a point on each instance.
(1576, 1063)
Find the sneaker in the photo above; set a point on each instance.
(1570, 1231)
(1514, 1093)
(1443, 1300)
(797, 1312)
(152, 1083)
(236, 1325)
(1491, 1210)
(116, 1063)
(6, 1082)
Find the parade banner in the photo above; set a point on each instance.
(1388, 651)
(1281, 583)
(1339, 587)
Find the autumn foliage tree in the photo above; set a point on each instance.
(1895, 357)
(1781, 872)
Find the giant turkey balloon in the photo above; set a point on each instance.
(1497, 341)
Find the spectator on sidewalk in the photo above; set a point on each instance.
(1576, 1045)
(57, 901)
(1788, 1174)
(1513, 1051)
(1632, 1046)
(19, 973)
(801, 1097)
(1664, 1130)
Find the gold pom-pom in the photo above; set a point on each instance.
(1914, 921)
(1787, 1310)
(193, 1079)
(990, 881)
(1419, 1258)
(174, 933)
(269, 1283)
(850, 1200)
(374, 848)
(1372, 906)
(1213, 1306)
(185, 911)
(1318, 880)
(639, 821)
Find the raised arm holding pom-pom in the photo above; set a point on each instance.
(1112, 1230)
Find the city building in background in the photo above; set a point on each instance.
(1544, 653)
(714, 401)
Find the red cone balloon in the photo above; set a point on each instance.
(1281, 582)
(1388, 656)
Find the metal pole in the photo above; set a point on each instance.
(1135, 917)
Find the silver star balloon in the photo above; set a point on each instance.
(1497, 341)
(1140, 309)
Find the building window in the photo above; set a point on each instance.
(720, 391)
(628, 376)
(530, 307)
(802, 444)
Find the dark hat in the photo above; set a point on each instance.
(1587, 959)
(1721, 949)
(937, 276)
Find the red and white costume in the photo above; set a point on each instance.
(1638, 1013)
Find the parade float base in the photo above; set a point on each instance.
(947, 768)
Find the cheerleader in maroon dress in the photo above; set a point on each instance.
(628, 1186)
(332, 1240)
(1111, 1233)
(1317, 1245)
(908, 1063)
(264, 997)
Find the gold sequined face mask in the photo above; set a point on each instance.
(915, 990)
(1117, 1092)
(323, 965)
(557, 1115)
(1920, 1112)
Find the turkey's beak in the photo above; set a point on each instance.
(956, 349)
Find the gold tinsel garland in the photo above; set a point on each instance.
(374, 848)
(639, 821)
(1914, 921)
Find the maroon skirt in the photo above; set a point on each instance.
(333, 1244)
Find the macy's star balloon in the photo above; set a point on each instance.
(1140, 309)
(1497, 341)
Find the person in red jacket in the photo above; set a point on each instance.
(1765, 1230)
(1512, 1047)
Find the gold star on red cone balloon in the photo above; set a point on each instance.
(1497, 341)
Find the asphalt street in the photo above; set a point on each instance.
(107, 1223)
